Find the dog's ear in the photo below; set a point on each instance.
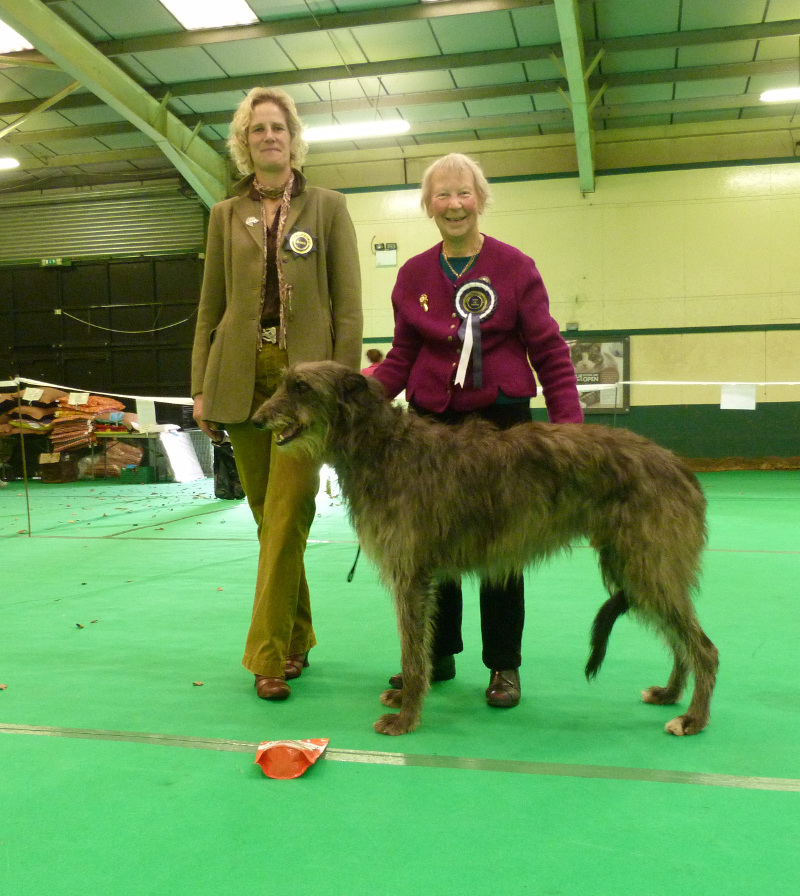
(357, 393)
(360, 388)
(352, 384)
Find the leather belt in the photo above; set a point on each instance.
(269, 334)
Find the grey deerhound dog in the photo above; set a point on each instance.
(430, 501)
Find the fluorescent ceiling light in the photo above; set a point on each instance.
(10, 41)
(356, 131)
(8, 163)
(782, 95)
(193, 14)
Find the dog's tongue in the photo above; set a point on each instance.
(287, 435)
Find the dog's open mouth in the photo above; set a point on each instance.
(288, 434)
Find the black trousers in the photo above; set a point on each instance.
(502, 606)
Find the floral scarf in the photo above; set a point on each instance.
(284, 288)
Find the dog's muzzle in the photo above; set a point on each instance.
(283, 431)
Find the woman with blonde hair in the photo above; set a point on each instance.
(281, 285)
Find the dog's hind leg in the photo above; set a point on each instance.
(414, 603)
(692, 652)
(673, 691)
(658, 592)
(704, 661)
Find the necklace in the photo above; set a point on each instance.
(467, 266)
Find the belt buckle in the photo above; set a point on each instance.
(270, 335)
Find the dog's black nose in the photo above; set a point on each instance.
(259, 419)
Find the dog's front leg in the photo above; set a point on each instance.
(413, 604)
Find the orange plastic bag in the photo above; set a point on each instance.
(286, 759)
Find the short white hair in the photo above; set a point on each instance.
(457, 162)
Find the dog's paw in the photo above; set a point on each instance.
(684, 725)
(392, 698)
(661, 696)
(393, 724)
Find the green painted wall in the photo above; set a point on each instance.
(704, 430)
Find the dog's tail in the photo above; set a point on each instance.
(607, 615)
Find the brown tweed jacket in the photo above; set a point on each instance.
(324, 321)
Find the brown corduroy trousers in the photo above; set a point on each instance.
(281, 489)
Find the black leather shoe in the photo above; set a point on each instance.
(442, 669)
(504, 689)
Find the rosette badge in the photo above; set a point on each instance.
(299, 242)
(475, 302)
(476, 297)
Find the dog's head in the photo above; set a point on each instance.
(314, 402)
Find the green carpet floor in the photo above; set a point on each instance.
(120, 775)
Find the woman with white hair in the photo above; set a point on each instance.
(471, 319)
(281, 285)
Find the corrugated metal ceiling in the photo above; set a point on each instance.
(669, 81)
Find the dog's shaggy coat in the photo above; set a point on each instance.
(430, 501)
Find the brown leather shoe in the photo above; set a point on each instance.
(442, 669)
(295, 665)
(504, 689)
(272, 688)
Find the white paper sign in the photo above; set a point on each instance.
(386, 258)
(146, 415)
(738, 397)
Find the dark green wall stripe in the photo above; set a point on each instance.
(707, 431)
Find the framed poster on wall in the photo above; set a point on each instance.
(602, 368)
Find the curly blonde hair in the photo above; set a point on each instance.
(237, 139)
(455, 162)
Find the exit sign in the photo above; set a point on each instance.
(55, 262)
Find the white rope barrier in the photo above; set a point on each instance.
(39, 383)
(584, 387)
(703, 383)
(684, 383)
